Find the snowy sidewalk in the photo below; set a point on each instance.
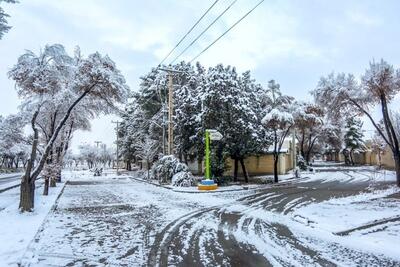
(17, 229)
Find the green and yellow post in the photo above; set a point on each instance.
(208, 169)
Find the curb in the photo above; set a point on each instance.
(214, 192)
(16, 185)
(368, 225)
(10, 187)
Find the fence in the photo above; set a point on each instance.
(255, 165)
(367, 158)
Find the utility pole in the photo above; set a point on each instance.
(97, 143)
(117, 122)
(170, 73)
(170, 115)
(164, 114)
(294, 148)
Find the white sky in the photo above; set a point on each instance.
(293, 42)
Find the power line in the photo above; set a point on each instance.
(180, 41)
(216, 40)
(206, 29)
(150, 97)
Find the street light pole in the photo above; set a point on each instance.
(117, 122)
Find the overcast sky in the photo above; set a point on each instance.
(293, 42)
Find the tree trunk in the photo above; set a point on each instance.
(277, 148)
(351, 157)
(27, 189)
(58, 180)
(396, 157)
(180, 155)
(276, 160)
(380, 160)
(235, 170)
(308, 157)
(302, 145)
(346, 157)
(27, 195)
(246, 176)
(148, 169)
(199, 166)
(46, 186)
(53, 182)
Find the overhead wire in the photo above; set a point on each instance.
(190, 30)
(204, 31)
(210, 45)
(230, 28)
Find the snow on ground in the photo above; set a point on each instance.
(18, 229)
(113, 220)
(118, 220)
(351, 174)
(262, 181)
(12, 174)
(9, 180)
(345, 213)
(340, 214)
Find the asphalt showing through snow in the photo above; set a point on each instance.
(104, 222)
(226, 250)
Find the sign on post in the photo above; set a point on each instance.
(215, 136)
(211, 135)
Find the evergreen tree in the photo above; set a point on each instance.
(228, 105)
(353, 137)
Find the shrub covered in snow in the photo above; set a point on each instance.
(301, 163)
(183, 178)
(167, 167)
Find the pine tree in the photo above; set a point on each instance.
(228, 105)
(353, 137)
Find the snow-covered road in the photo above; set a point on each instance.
(124, 222)
(6, 178)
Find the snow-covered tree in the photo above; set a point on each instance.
(4, 27)
(228, 104)
(186, 106)
(331, 138)
(131, 128)
(278, 119)
(218, 98)
(13, 142)
(353, 137)
(89, 154)
(147, 151)
(308, 119)
(379, 85)
(378, 147)
(167, 167)
(53, 76)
